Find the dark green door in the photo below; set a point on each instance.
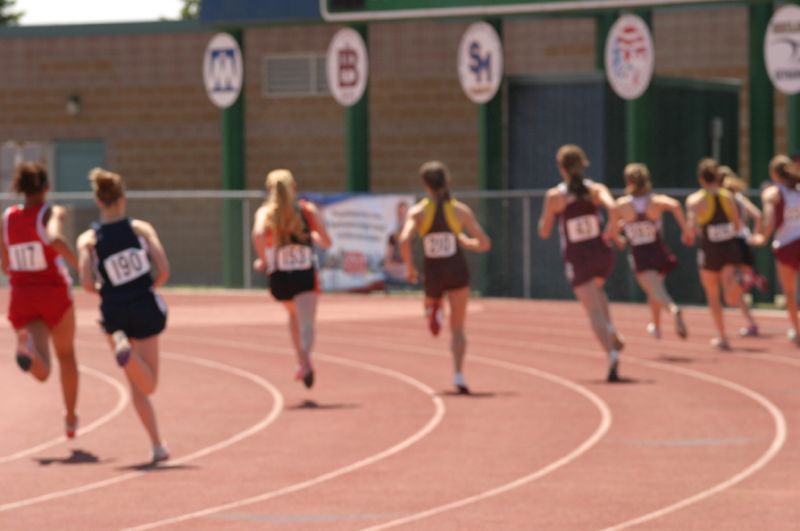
(73, 160)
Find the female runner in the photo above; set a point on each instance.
(748, 277)
(781, 203)
(712, 210)
(588, 259)
(284, 232)
(440, 222)
(639, 212)
(115, 260)
(34, 250)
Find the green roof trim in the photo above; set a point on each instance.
(123, 28)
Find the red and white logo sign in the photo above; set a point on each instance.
(630, 57)
(347, 67)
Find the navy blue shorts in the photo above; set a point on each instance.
(138, 318)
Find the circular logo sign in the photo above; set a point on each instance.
(347, 66)
(782, 49)
(480, 62)
(630, 57)
(223, 70)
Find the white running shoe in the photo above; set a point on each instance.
(160, 453)
(122, 348)
(653, 331)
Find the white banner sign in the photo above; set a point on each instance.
(480, 62)
(630, 57)
(364, 254)
(782, 49)
(223, 70)
(347, 67)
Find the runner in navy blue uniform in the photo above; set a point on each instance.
(284, 232)
(639, 213)
(781, 203)
(712, 210)
(440, 222)
(588, 259)
(747, 275)
(116, 259)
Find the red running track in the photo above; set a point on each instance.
(695, 439)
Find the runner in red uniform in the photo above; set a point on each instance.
(588, 259)
(284, 232)
(712, 210)
(441, 222)
(781, 203)
(34, 250)
(640, 214)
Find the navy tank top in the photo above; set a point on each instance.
(121, 262)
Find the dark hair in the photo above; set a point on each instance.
(573, 161)
(436, 176)
(786, 170)
(108, 187)
(637, 179)
(30, 179)
(707, 170)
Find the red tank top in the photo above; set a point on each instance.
(32, 260)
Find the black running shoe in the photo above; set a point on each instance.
(462, 389)
(24, 361)
(308, 379)
(613, 375)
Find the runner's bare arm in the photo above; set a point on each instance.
(318, 232)
(753, 213)
(85, 246)
(475, 239)
(673, 206)
(412, 219)
(3, 250)
(549, 210)
(602, 196)
(258, 237)
(55, 232)
(769, 198)
(157, 253)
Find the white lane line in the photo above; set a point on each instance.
(277, 407)
(779, 421)
(429, 426)
(122, 401)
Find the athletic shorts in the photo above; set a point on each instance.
(789, 255)
(38, 303)
(655, 257)
(286, 285)
(599, 265)
(139, 318)
(444, 277)
(716, 256)
(747, 252)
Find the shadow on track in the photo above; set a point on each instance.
(77, 457)
(314, 405)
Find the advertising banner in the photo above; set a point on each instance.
(364, 255)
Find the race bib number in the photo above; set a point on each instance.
(440, 245)
(28, 256)
(294, 258)
(126, 266)
(721, 232)
(791, 215)
(583, 228)
(641, 233)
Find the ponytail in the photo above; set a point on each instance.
(786, 170)
(30, 178)
(573, 161)
(284, 221)
(637, 179)
(107, 186)
(436, 177)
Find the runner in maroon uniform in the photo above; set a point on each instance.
(712, 210)
(781, 203)
(34, 250)
(283, 234)
(588, 259)
(640, 214)
(440, 222)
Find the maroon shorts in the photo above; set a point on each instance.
(38, 303)
(789, 255)
(653, 257)
(597, 264)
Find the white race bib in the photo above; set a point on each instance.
(721, 232)
(28, 256)
(583, 228)
(440, 245)
(791, 215)
(126, 266)
(294, 257)
(641, 232)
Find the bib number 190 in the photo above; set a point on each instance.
(126, 266)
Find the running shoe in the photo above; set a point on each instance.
(122, 348)
(160, 453)
(653, 331)
(305, 373)
(462, 389)
(71, 428)
(680, 325)
(435, 319)
(749, 331)
(793, 337)
(613, 372)
(720, 343)
(24, 350)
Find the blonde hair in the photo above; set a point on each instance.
(731, 181)
(108, 187)
(573, 161)
(283, 219)
(637, 179)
